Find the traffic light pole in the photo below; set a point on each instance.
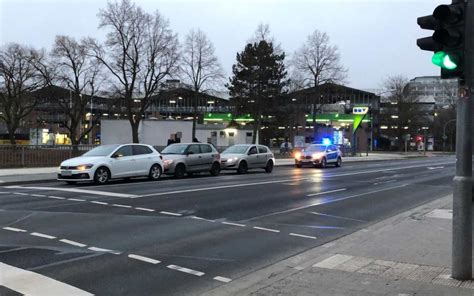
(462, 194)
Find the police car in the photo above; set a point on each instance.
(319, 155)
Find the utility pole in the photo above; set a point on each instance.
(453, 45)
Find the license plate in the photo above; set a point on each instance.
(66, 173)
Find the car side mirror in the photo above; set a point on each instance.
(189, 153)
(116, 156)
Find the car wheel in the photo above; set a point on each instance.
(179, 171)
(269, 167)
(70, 182)
(298, 165)
(215, 169)
(242, 169)
(155, 172)
(338, 162)
(323, 162)
(101, 175)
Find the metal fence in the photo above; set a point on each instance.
(38, 155)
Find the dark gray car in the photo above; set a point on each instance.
(189, 158)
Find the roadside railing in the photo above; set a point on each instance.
(38, 155)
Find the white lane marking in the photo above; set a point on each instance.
(302, 235)
(30, 283)
(14, 229)
(38, 195)
(326, 192)
(266, 229)
(144, 259)
(73, 243)
(219, 187)
(233, 224)
(77, 190)
(200, 218)
(76, 199)
(99, 202)
(145, 209)
(170, 213)
(385, 182)
(55, 197)
(327, 202)
(222, 279)
(3, 192)
(186, 270)
(20, 193)
(121, 206)
(435, 168)
(337, 217)
(43, 235)
(96, 249)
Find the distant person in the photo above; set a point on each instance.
(170, 141)
(195, 140)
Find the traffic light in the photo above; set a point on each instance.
(447, 41)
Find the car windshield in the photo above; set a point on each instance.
(101, 150)
(238, 149)
(175, 149)
(316, 148)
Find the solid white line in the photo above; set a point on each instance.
(266, 229)
(233, 224)
(55, 197)
(96, 249)
(99, 202)
(73, 243)
(219, 187)
(27, 282)
(301, 235)
(42, 235)
(186, 270)
(121, 206)
(222, 279)
(170, 213)
(77, 190)
(75, 199)
(38, 195)
(200, 218)
(144, 259)
(145, 209)
(14, 229)
(326, 192)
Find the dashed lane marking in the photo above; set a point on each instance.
(327, 192)
(203, 219)
(170, 213)
(14, 229)
(76, 199)
(96, 249)
(20, 193)
(38, 195)
(77, 190)
(186, 270)
(144, 259)
(145, 209)
(43, 235)
(385, 182)
(55, 197)
(222, 279)
(122, 206)
(233, 224)
(266, 229)
(303, 236)
(99, 202)
(72, 243)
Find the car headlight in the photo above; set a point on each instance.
(232, 159)
(317, 155)
(297, 155)
(84, 167)
(167, 161)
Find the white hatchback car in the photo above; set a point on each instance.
(112, 161)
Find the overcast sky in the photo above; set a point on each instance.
(376, 38)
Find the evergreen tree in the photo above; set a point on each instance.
(259, 77)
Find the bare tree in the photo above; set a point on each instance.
(140, 51)
(19, 78)
(201, 67)
(79, 73)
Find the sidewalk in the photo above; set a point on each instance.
(408, 254)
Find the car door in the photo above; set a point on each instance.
(252, 158)
(331, 153)
(207, 157)
(193, 158)
(122, 163)
(143, 159)
(262, 156)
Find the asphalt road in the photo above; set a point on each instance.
(191, 235)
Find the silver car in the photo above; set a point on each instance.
(189, 158)
(247, 156)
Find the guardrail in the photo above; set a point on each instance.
(38, 155)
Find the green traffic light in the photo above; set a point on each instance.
(444, 60)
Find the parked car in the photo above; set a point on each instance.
(112, 161)
(188, 158)
(246, 156)
(319, 155)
